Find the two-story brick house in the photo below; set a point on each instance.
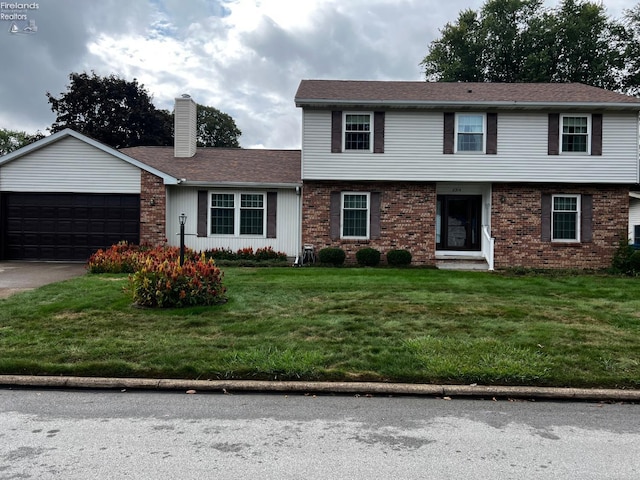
(532, 175)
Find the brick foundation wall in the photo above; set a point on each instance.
(153, 207)
(407, 218)
(516, 214)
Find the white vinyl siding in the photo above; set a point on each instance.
(69, 165)
(414, 152)
(185, 199)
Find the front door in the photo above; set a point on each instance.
(458, 222)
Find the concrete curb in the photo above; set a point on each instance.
(361, 388)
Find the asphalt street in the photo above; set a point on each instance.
(123, 434)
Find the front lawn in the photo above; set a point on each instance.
(408, 325)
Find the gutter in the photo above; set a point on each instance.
(429, 104)
(195, 183)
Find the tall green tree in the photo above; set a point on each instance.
(522, 41)
(112, 110)
(216, 128)
(11, 140)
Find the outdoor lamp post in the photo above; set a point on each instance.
(182, 219)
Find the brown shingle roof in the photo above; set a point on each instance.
(327, 92)
(224, 165)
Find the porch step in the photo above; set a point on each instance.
(450, 262)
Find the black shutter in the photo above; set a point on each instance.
(545, 222)
(272, 209)
(378, 132)
(203, 206)
(334, 216)
(492, 133)
(336, 131)
(449, 132)
(374, 228)
(586, 218)
(596, 134)
(554, 134)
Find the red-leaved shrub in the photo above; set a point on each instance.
(166, 284)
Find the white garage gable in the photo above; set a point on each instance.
(70, 165)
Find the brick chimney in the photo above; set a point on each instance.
(185, 121)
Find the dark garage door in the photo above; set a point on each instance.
(66, 226)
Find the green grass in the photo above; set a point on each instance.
(408, 325)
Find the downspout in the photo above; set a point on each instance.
(298, 261)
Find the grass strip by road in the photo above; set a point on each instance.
(341, 324)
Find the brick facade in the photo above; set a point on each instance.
(516, 214)
(153, 207)
(407, 218)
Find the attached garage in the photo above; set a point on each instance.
(66, 196)
(66, 226)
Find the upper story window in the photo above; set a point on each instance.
(470, 132)
(565, 221)
(237, 214)
(355, 215)
(357, 131)
(575, 133)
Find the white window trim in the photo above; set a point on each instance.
(342, 195)
(236, 217)
(578, 215)
(484, 134)
(588, 117)
(344, 132)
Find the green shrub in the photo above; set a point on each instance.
(269, 253)
(634, 263)
(332, 256)
(244, 255)
(398, 258)
(621, 262)
(166, 284)
(368, 257)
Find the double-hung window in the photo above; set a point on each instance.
(355, 215)
(636, 234)
(565, 221)
(237, 214)
(574, 131)
(357, 132)
(470, 132)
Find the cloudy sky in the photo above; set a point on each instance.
(244, 57)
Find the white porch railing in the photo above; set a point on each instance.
(487, 246)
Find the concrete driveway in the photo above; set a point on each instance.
(20, 276)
